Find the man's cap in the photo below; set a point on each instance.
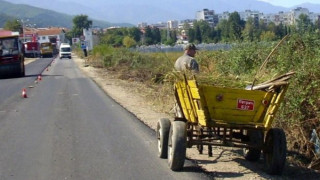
(190, 46)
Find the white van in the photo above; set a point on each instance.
(65, 51)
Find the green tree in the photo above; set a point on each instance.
(114, 37)
(198, 36)
(186, 26)
(148, 36)
(191, 35)
(317, 24)
(223, 31)
(304, 24)
(80, 22)
(128, 42)
(135, 33)
(156, 35)
(172, 39)
(13, 25)
(235, 26)
(164, 35)
(206, 31)
(249, 30)
(280, 31)
(268, 36)
(113, 40)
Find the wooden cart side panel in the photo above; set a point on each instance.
(194, 89)
(274, 106)
(262, 109)
(199, 102)
(185, 102)
(223, 104)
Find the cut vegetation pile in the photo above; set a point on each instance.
(237, 68)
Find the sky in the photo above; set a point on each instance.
(290, 3)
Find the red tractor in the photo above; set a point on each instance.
(32, 49)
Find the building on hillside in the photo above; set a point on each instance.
(224, 16)
(110, 28)
(54, 35)
(286, 18)
(188, 22)
(250, 14)
(173, 24)
(159, 25)
(208, 16)
(295, 13)
(29, 35)
(142, 25)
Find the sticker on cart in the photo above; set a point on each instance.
(244, 104)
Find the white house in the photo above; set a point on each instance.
(52, 35)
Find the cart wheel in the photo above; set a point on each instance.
(177, 145)
(163, 128)
(256, 138)
(275, 151)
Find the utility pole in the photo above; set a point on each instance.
(168, 32)
(22, 21)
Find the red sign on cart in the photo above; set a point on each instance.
(244, 104)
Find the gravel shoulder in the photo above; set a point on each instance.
(226, 163)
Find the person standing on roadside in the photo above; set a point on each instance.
(187, 60)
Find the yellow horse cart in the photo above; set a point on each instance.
(220, 116)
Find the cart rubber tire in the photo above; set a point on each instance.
(275, 151)
(177, 145)
(163, 128)
(254, 154)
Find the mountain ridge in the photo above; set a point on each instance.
(40, 16)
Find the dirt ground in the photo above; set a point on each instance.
(226, 163)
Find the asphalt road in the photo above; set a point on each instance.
(68, 128)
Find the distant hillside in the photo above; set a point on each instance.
(41, 17)
(4, 18)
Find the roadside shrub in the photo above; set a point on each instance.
(101, 56)
(245, 58)
(302, 55)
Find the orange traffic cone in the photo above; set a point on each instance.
(39, 78)
(24, 93)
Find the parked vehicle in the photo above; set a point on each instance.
(65, 51)
(46, 49)
(11, 55)
(55, 46)
(32, 49)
